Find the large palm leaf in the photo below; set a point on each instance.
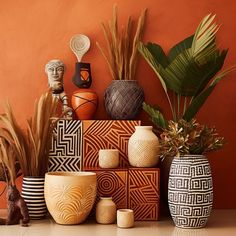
(189, 67)
(156, 116)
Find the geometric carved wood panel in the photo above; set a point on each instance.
(134, 188)
(106, 134)
(66, 149)
(112, 183)
(144, 193)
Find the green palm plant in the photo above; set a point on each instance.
(188, 73)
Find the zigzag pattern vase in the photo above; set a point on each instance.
(190, 191)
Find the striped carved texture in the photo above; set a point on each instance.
(190, 191)
(33, 194)
(66, 150)
(106, 135)
(144, 195)
(70, 204)
(112, 184)
(135, 188)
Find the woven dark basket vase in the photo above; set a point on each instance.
(123, 99)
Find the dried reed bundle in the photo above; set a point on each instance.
(7, 162)
(32, 147)
(39, 133)
(122, 49)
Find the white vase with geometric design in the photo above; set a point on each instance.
(143, 147)
(190, 191)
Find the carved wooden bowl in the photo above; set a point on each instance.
(70, 196)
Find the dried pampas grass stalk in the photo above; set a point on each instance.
(8, 160)
(32, 147)
(137, 39)
(122, 53)
(39, 133)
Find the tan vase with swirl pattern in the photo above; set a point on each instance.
(143, 147)
(70, 196)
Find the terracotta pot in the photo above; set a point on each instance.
(105, 211)
(84, 102)
(190, 191)
(123, 99)
(143, 147)
(70, 195)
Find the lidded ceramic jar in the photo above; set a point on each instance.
(106, 211)
(143, 147)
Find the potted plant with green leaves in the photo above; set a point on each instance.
(190, 189)
(188, 74)
(124, 97)
(31, 148)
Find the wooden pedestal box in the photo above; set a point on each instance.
(66, 150)
(144, 193)
(134, 188)
(106, 134)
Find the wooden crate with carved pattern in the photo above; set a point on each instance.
(106, 134)
(134, 188)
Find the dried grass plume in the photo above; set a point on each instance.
(121, 54)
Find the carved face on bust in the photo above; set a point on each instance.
(55, 71)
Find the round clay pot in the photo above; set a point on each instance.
(108, 158)
(70, 195)
(123, 99)
(106, 211)
(84, 102)
(143, 147)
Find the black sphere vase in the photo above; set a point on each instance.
(82, 77)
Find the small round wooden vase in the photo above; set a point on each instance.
(106, 211)
(84, 103)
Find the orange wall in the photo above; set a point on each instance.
(34, 31)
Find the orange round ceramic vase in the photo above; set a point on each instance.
(84, 102)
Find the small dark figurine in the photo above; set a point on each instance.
(16, 208)
(17, 211)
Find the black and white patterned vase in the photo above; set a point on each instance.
(190, 191)
(33, 194)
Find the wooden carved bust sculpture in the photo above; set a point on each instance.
(55, 71)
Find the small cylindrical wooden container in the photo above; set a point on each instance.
(125, 218)
(108, 158)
